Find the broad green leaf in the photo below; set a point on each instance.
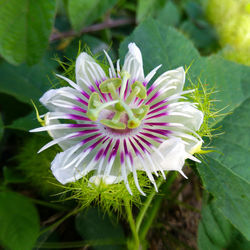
(147, 8)
(226, 175)
(85, 12)
(19, 221)
(96, 227)
(25, 83)
(230, 81)
(204, 242)
(233, 145)
(194, 10)
(215, 232)
(202, 34)
(25, 27)
(169, 15)
(214, 229)
(25, 123)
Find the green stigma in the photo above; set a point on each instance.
(118, 105)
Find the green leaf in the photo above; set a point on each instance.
(25, 123)
(94, 226)
(230, 80)
(169, 15)
(25, 83)
(194, 10)
(202, 34)
(215, 232)
(25, 27)
(234, 144)
(147, 8)
(19, 221)
(214, 229)
(85, 12)
(226, 175)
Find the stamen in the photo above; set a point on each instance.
(115, 122)
(133, 122)
(110, 86)
(95, 106)
(141, 112)
(138, 90)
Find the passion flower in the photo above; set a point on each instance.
(111, 126)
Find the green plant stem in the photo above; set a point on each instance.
(153, 206)
(132, 225)
(57, 223)
(146, 205)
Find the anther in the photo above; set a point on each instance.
(141, 112)
(133, 122)
(110, 86)
(137, 89)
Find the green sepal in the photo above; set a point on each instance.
(39, 119)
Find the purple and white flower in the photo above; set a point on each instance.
(115, 125)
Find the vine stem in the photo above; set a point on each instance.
(109, 23)
(146, 205)
(132, 225)
(155, 206)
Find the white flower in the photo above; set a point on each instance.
(112, 126)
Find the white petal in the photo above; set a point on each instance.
(133, 63)
(88, 72)
(151, 74)
(170, 155)
(174, 153)
(65, 175)
(193, 117)
(112, 69)
(65, 94)
(73, 163)
(174, 78)
(56, 134)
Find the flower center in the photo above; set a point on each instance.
(119, 104)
